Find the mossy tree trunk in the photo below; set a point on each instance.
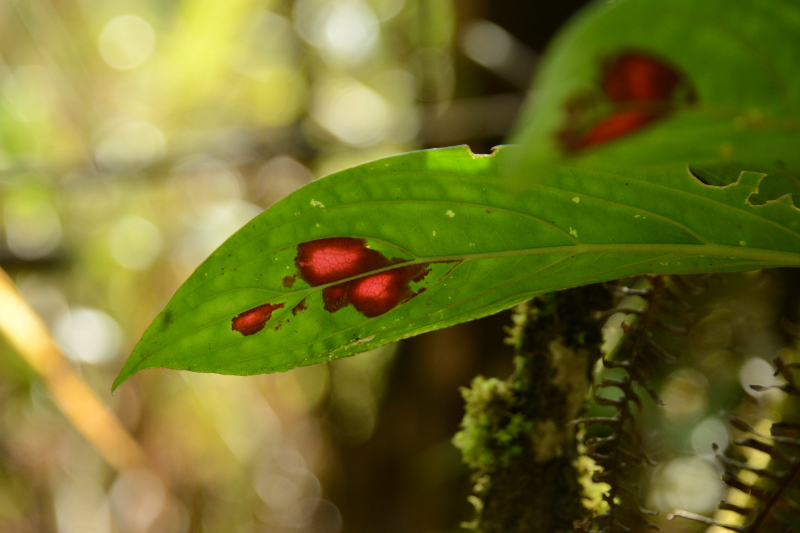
(518, 435)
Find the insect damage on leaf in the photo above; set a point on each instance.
(326, 261)
(779, 179)
(252, 321)
(636, 90)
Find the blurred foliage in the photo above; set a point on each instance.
(136, 136)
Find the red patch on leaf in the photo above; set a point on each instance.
(617, 125)
(288, 281)
(335, 297)
(639, 78)
(379, 293)
(299, 307)
(641, 88)
(326, 261)
(252, 321)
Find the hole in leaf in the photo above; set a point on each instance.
(779, 180)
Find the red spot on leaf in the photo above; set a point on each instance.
(299, 307)
(288, 281)
(423, 271)
(641, 89)
(639, 78)
(335, 297)
(334, 259)
(379, 293)
(617, 125)
(252, 321)
(328, 260)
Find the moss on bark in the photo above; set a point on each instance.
(517, 434)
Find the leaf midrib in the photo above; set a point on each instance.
(775, 258)
(666, 256)
(771, 257)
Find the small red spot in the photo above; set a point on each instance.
(299, 307)
(335, 297)
(421, 272)
(639, 78)
(288, 281)
(252, 321)
(617, 125)
(327, 261)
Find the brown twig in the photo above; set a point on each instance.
(26, 332)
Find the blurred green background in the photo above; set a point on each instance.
(135, 136)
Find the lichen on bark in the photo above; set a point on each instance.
(517, 434)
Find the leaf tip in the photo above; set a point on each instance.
(130, 367)
(121, 378)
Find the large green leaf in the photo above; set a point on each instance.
(428, 239)
(447, 224)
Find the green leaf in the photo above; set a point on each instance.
(447, 224)
(736, 99)
(608, 182)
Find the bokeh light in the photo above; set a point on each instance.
(138, 497)
(32, 223)
(279, 177)
(689, 483)
(345, 32)
(135, 243)
(487, 43)
(88, 335)
(126, 42)
(129, 144)
(757, 371)
(711, 431)
(351, 111)
(685, 395)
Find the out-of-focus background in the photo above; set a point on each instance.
(135, 136)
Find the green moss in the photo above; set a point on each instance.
(491, 432)
(516, 434)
